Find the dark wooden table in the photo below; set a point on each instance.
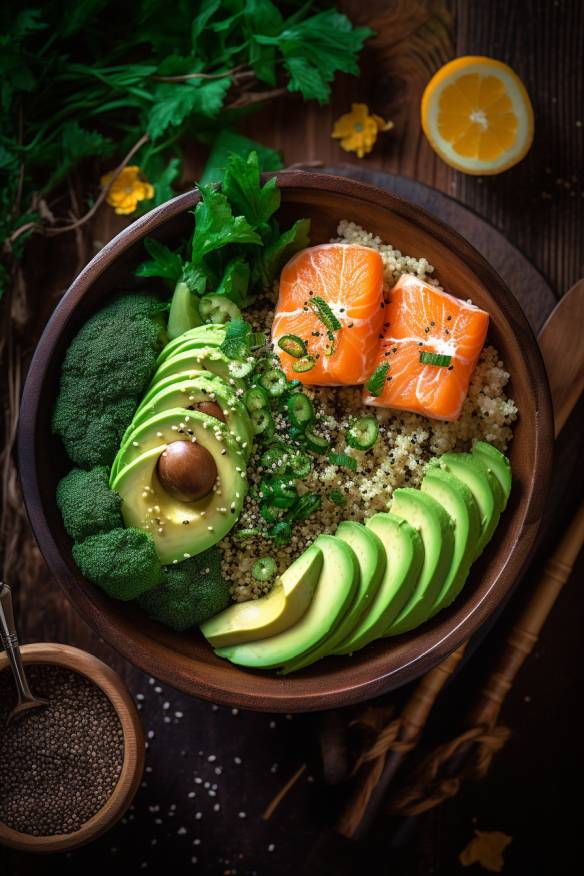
(211, 772)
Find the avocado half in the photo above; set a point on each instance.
(180, 529)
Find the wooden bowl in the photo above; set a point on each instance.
(185, 660)
(131, 775)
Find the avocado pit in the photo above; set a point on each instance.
(187, 471)
(212, 409)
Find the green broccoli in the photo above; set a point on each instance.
(191, 592)
(87, 504)
(105, 372)
(123, 562)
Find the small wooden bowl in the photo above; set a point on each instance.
(132, 768)
(185, 660)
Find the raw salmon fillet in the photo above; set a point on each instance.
(350, 279)
(420, 318)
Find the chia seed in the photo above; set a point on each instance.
(60, 764)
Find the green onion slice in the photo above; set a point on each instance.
(239, 369)
(306, 505)
(256, 399)
(300, 465)
(427, 358)
(343, 460)
(274, 382)
(281, 533)
(325, 314)
(262, 420)
(275, 459)
(375, 383)
(247, 533)
(315, 442)
(293, 345)
(300, 410)
(363, 433)
(264, 569)
(305, 364)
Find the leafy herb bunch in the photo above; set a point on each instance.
(94, 79)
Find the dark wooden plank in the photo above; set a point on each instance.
(539, 203)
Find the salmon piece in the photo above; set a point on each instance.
(420, 318)
(349, 278)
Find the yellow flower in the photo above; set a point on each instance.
(358, 130)
(127, 190)
(486, 848)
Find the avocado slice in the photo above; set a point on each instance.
(458, 502)
(370, 553)
(436, 530)
(188, 528)
(273, 613)
(188, 393)
(370, 557)
(184, 311)
(211, 334)
(486, 489)
(498, 463)
(404, 552)
(205, 358)
(335, 591)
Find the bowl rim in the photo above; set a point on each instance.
(444, 636)
(112, 686)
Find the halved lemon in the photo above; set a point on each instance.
(477, 115)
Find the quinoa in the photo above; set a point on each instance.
(399, 457)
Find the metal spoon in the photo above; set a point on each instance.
(9, 638)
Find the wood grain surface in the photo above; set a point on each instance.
(538, 207)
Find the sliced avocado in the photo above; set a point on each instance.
(370, 558)
(184, 311)
(188, 394)
(180, 529)
(404, 551)
(274, 613)
(486, 489)
(197, 360)
(436, 530)
(336, 588)
(458, 502)
(370, 553)
(210, 334)
(498, 463)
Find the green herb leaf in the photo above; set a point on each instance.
(337, 498)
(235, 282)
(427, 358)
(164, 263)
(315, 48)
(175, 102)
(228, 141)
(239, 337)
(375, 383)
(215, 225)
(243, 189)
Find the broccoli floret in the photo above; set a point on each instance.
(123, 562)
(191, 592)
(87, 504)
(105, 372)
